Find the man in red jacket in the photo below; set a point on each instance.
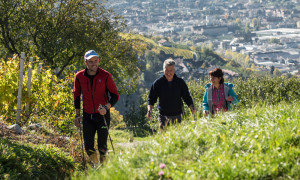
(97, 88)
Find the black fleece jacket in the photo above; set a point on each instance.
(170, 95)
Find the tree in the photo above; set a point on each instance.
(247, 27)
(234, 64)
(238, 22)
(277, 72)
(256, 24)
(272, 68)
(153, 60)
(60, 31)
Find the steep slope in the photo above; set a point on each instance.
(257, 143)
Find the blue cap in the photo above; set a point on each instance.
(89, 54)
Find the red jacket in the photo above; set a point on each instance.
(92, 98)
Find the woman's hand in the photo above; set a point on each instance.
(192, 108)
(229, 98)
(205, 113)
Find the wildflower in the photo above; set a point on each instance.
(162, 165)
(161, 173)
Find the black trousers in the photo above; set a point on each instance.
(165, 120)
(93, 123)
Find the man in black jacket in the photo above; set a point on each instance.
(170, 90)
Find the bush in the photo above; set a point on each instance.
(255, 90)
(116, 119)
(51, 98)
(20, 161)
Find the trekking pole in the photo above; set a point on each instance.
(83, 159)
(108, 132)
(150, 123)
(167, 121)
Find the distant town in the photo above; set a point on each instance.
(268, 31)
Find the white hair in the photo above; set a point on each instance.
(169, 62)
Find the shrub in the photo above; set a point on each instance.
(51, 98)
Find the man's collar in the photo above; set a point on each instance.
(86, 74)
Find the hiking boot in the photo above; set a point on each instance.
(102, 158)
(102, 153)
(94, 158)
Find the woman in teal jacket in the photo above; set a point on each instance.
(218, 95)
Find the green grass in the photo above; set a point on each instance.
(256, 143)
(21, 161)
(120, 135)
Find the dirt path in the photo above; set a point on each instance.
(131, 144)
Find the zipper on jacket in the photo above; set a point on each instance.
(93, 95)
(88, 87)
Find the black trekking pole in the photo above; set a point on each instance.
(150, 122)
(167, 121)
(83, 159)
(108, 132)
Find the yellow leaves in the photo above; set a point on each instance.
(50, 146)
(156, 50)
(49, 95)
(116, 118)
(238, 57)
(56, 103)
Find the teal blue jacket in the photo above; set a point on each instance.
(228, 91)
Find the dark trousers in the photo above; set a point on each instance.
(165, 120)
(93, 123)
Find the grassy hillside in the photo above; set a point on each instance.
(186, 54)
(256, 143)
(152, 45)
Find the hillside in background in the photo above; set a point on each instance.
(265, 30)
(192, 62)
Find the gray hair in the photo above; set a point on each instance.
(169, 62)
